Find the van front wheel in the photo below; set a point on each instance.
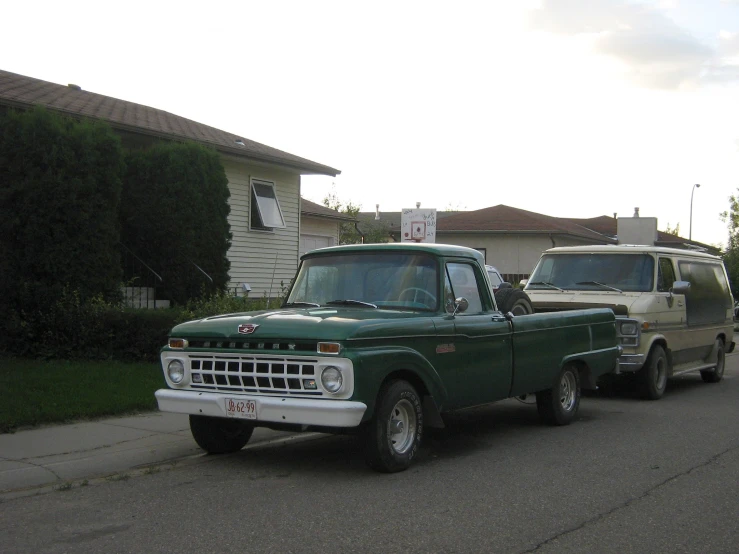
(716, 374)
(654, 374)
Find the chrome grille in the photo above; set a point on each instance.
(254, 374)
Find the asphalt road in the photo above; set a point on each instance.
(628, 476)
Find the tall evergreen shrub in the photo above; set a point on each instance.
(60, 185)
(174, 214)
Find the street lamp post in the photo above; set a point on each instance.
(690, 233)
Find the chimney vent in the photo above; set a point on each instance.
(636, 212)
(74, 87)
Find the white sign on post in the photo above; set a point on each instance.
(418, 225)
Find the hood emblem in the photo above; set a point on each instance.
(247, 328)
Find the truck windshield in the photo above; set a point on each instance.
(372, 279)
(602, 272)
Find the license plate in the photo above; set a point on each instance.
(237, 407)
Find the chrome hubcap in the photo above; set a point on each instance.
(568, 391)
(401, 428)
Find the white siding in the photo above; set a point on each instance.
(510, 253)
(317, 232)
(262, 259)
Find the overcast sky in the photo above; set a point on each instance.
(571, 108)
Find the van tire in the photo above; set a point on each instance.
(653, 375)
(716, 374)
(514, 301)
(559, 405)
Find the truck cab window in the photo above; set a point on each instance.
(463, 282)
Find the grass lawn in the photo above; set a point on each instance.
(35, 392)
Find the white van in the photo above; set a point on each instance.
(674, 308)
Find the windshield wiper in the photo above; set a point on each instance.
(350, 303)
(603, 285)
(306, 304)
(546, 284)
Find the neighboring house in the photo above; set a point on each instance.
(319, 226)
(512, 239)
(264, 182)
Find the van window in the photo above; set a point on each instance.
(665, 275)
(592, 271)
(709, 297)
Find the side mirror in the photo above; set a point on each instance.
(680, 287)
(460, 305)
(522, 283)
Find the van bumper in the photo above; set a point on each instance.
(629, 363)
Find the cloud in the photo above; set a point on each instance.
(657, 52)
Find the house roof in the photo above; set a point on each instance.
(609, 226)
(19, 91)
(505, 219)
(311, 208)
(501, 218)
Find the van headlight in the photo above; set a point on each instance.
(176, 371)
(629, 328)
(331, 379)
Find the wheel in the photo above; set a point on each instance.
(558, 405)
(394, 434)
(653, 375)
(716, 374)
(515, 301)
(418, 292)
(219, 435)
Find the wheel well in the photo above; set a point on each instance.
(586, 380)
(411, 377)
(668, 353)
(431, 413)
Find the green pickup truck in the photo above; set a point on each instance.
(381, 340)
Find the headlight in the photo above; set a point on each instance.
(176, 371)
(331, 379)
(628, 328)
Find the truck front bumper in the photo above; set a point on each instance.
(300, 411)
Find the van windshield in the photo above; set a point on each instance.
(590, 271)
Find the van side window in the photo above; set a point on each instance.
(708, 299)
(665, 275)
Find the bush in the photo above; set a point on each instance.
(73, 328)
(174, 216)
(60, 186)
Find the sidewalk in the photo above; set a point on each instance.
(58, 456)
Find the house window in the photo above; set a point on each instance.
(266, 214)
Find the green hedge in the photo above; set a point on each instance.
(73, 328)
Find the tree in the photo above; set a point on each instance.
(673, 231)
(60, 187)
(174, 216)
(371, 231)
(731, 254)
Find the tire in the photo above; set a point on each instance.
(515, 301)
(559, 405)
(220, 435)
(716, 374)
(393, 436)
(653, 375)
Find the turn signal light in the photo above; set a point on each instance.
(329, 348)
(177, 343)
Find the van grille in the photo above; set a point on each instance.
(254, 374)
